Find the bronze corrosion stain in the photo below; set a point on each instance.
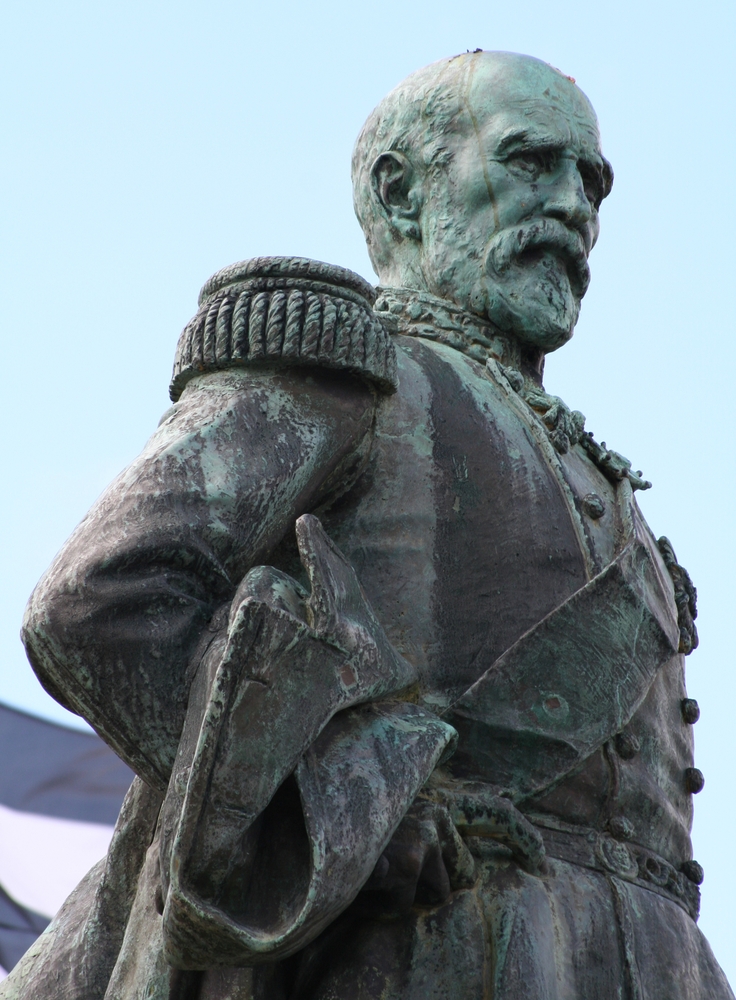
(347, 676)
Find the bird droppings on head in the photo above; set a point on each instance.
(566, 75)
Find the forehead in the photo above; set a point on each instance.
(527, 99)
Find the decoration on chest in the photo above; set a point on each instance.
(418, 314)
(566, 428)
(686, 597)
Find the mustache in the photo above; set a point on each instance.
(506, 247)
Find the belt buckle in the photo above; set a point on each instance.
(616, 857)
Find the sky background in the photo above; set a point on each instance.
(148, 144)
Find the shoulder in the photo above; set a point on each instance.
(448, 377)
(286, 312)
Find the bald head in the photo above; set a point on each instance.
(488, 117)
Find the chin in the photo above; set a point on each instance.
(546, 337)
(540, 313)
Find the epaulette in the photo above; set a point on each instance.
(288, 311)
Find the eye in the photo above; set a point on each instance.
(592, 184)
(533, 163)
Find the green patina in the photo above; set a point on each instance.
(378, 624)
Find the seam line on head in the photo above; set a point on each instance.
(476, 129)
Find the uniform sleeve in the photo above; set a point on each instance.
(117, 626)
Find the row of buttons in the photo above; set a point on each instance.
(627, 747)
(694, 778)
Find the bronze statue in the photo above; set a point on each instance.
(379, 625)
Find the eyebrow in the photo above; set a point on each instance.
(526, 139)
(522, 138)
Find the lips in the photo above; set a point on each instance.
(529, 242)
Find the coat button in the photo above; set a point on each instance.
(694, 780)
(693, 871)
(621, 828)
(690, 710)
(627, 745)
(593, 506)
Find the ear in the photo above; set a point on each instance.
(394, 185)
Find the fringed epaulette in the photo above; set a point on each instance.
(288, 311)
(686, 597)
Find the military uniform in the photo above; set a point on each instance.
(487, 533)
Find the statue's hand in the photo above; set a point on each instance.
(424, 862)
(340, 612)
(477, 811)
(337, 611)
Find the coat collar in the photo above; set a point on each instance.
(419, 314)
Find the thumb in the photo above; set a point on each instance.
(336, 592)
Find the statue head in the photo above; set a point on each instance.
(478, 180)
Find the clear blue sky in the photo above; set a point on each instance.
(148, 144)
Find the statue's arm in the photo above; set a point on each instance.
(117, 626)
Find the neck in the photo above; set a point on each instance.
(421, 314)
(513, 353)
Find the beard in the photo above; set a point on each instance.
(533, 278)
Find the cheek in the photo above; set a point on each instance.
(517, 199)
(595, 229)
(472, 192)
(452, 224)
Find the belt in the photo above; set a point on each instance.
(601, 852)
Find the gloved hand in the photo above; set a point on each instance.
(478, 811)
(337, 612)
(427, 858)
(423, 863)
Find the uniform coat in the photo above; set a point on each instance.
(467, 528)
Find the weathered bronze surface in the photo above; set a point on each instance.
(379, 625)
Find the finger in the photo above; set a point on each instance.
(487, 815)
(433, 886)
(416, 859)
(458, 861)
(340, 612)
(335, 587)
(273, 587)
(377, 881)
(392, 887)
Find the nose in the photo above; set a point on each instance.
(566, 198)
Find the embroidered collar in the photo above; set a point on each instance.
(420, 314)
(566, 428)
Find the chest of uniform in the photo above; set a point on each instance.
(490, 474)
(466, 528)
